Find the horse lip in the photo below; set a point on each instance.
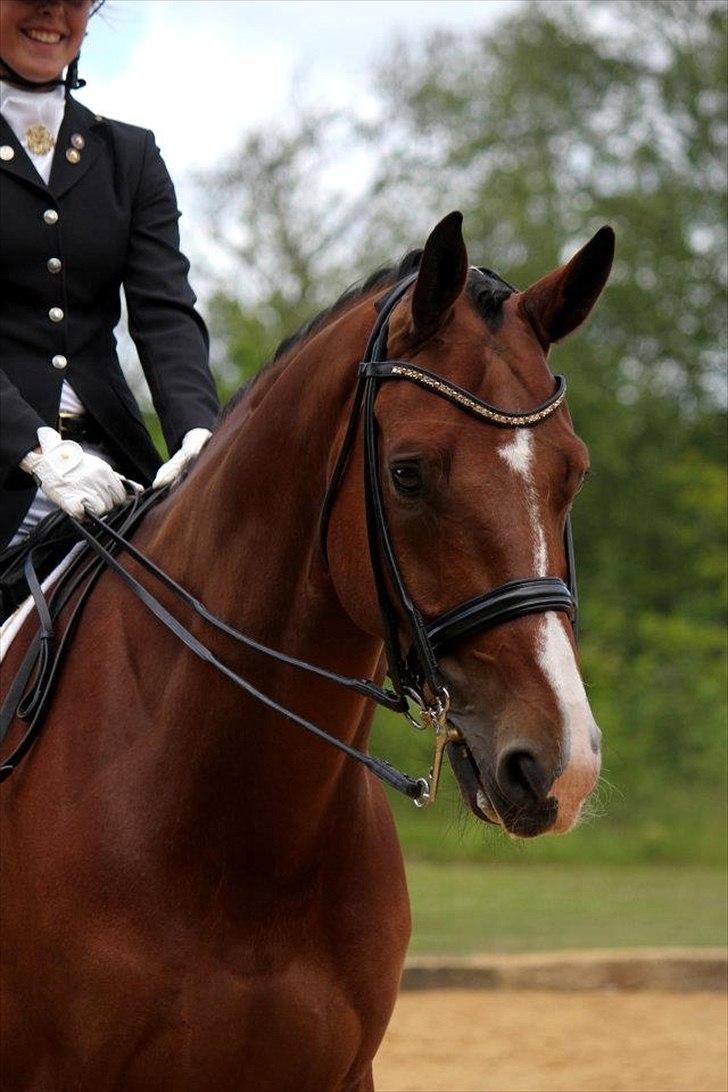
(470, 783)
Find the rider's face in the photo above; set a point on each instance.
(38, 38)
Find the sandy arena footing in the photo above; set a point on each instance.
(648, 1020)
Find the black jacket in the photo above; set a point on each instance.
(111, 218)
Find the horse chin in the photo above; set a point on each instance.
(488, 804)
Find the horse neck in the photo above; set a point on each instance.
(242, 535)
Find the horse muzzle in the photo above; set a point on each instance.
(518, 785)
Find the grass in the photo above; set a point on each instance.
(465, 908)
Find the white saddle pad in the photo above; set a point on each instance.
(13, 624)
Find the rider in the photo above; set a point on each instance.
(86, 206)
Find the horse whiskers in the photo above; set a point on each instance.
(609, 787)
(597, 806)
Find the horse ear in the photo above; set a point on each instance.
(441, 279)
(560, 301)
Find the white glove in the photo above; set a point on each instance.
(192, 444)
(72, 477)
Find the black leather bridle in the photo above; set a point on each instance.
(418, 671)
(415, 676)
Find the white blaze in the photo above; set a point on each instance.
(518, 453)
(555, 657)
(558, 663)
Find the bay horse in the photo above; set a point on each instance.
(197, 893)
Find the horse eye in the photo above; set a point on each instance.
(407, 479)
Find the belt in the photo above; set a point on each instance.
(80, 427)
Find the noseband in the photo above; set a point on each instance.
(419, 690)
(417, 676)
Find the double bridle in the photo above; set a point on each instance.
(417, 677)
(419, 691)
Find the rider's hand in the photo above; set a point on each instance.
(192, 445)
(72, 477)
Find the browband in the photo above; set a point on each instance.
(451, 392)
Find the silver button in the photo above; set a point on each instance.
(50, 216)
(56, 314)
(77, 141)
(59, 362)
(54, 265)
(7, 153)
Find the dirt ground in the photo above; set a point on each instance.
(542, 1041)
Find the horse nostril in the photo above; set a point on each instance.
(521, 777)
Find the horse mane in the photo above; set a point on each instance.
(385, 275)
(487, 291)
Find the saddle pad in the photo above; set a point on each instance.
(12, 625)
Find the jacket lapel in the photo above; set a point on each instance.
(80, 123)
(20, 166)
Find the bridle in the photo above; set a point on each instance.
(417, 677)
(419, 691)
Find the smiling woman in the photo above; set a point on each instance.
(39, 40)
(87, 208)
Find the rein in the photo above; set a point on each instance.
(33, 709)
(416, 677)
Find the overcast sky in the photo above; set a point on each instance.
(200, 72)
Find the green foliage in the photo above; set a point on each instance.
(560, 118)
(249, 336)
(279, 226)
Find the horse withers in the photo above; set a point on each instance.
(199, 895)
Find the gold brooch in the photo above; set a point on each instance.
(38, 140)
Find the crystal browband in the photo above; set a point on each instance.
(468, 401)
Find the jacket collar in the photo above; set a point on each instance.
(77, 119)
(81, 122)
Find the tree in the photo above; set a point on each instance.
(284, 229)
(560, 118)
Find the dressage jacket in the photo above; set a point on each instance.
(107, 217)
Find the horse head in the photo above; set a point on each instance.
(474, 504)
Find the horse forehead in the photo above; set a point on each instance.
(502, 364)
(496, 356)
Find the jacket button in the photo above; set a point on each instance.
(59, 362)
(50, 216)
(54, 265)
(7, 153)
(56, 314)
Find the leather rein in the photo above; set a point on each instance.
(416, 679)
